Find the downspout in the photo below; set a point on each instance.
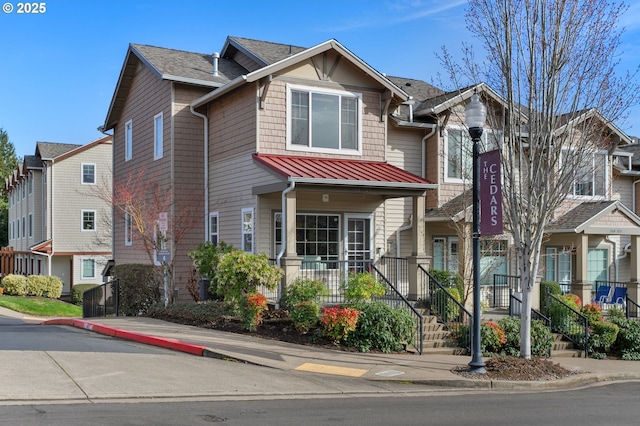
(424, 150)
(206, 171)
(51, 215)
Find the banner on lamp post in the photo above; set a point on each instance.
(490, 193)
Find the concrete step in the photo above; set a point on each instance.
(444, 351)
(442, 343)
(436, 335)
(567, 353)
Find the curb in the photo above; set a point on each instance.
(162, 342)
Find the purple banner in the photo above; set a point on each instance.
(490, 193)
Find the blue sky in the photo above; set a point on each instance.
(58, 69)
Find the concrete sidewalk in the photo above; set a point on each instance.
(433, 370)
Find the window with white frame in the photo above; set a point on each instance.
(24, 227)
(128, 229)
(459, 152)
(558, 266)
(317, 235)
(157, 137)
(214, 233)
(30, 225)
(128, 140)
(323, 120)
(88, 174)
(30, 184)
(445, 254)
(17, 222)
(591, 175)
(88, 268)
(88, 220)
(247, 230)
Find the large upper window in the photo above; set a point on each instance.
(157, 137)
(323, 120)
(459, 152)
(88, 220)
(88, 173)
(590, 179)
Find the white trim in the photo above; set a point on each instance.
(95, 225)
(319, 90)
(128, 140)
(156, 155)
(345, 233)
(82, 173)
(217, 233)
(249, 210)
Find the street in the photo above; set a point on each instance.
(615, 404)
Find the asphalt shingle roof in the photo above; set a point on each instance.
(420, 90)
(266, 51)
(579, 215)
(48, 150)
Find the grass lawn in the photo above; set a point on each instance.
(40, 306)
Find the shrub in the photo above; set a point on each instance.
(593, 312)
(239, 272)
(305, 316)
(603, 336)
(541, 337)
(382, 327)
(492, 337)
(361, 287)
(206, 258)
(78, 290)
(15, 285)
(554, 288)
(36, 285)
(53, 287)
(304, 290)
(338, 322)
(252, 304)
(139, 287)
(628, 341)
(448, 279)
(562, 318)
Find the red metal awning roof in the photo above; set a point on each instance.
(331, 171)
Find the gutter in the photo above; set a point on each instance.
(206, 170)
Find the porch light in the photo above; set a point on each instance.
(475, 114)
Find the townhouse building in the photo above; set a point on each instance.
(58, 223)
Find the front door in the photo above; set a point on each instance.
(358, 242)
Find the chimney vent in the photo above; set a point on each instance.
(216, 57)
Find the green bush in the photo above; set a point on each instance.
(239, 273)
(139, 287)
(15, 285)
(593, 312)
(304, 290)
(448, 279)
(492, 337)
(604, 335)
(206, 257)
(78, 290)
(361, 287)
(382, 327)
(554, 288)
(562, 318)
(627, 344)
(304, 316)
(541, 337)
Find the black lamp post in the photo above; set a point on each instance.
(475, 116)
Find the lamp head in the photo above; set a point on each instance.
(475, 113)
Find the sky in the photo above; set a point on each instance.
(59, 68)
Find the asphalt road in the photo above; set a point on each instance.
(615, 404)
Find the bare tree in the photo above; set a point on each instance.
(554, 65)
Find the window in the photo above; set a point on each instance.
(24, 187)
(30, 184)
(30, 225)
(247, 230)
(597, 265)
(88, 268)
(89, 174)
(459, 152)
(493, 260)
(558, 267)
(317, 235)
(17, 222)
(323, 120)
(445, 254)
(24, 227)
(214, 235)
(157, 137)
(591, 177)
(128, 229)
(88, 220)
(128, 140)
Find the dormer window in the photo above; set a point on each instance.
(323, 120)
(591, 175)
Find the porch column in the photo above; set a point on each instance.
(580, 286)
(418, 256)
(633, 286)
(290, 262)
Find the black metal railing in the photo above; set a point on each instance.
(632, 310)
(446, 307)
(503, 286)
(396, 300)
(101, 301)
(396, 270)
(568, 322)
(334, 273)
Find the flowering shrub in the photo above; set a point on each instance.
(593, 312)
(339, 322)
(492, 337)
(15, 285)
(304, 290)
(572, 300)
(253, 304)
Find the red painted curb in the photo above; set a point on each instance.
(146, 339)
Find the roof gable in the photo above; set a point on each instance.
(598, 217)
(262, 53)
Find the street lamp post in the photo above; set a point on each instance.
(475, 116)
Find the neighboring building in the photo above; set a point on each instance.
(320, 161)
(58, 225)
